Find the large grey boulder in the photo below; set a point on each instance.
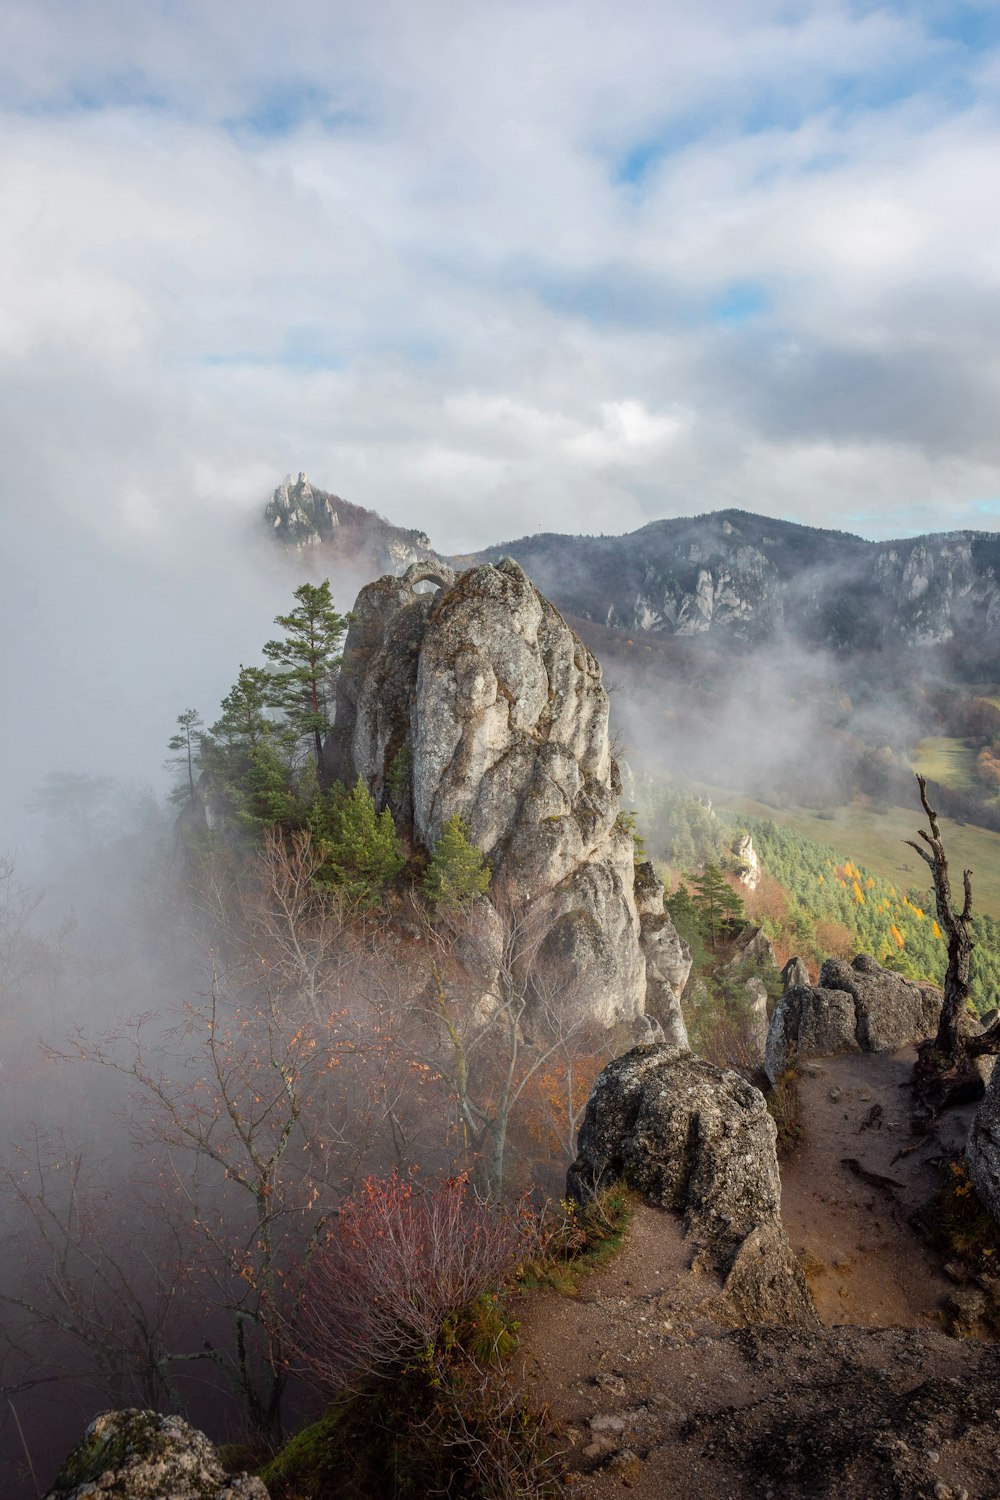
(891, 1011)
(479, 701)
(809, 1022)
(140, 1455)
(983, 1148)
(856, 1007)
(697, 1139)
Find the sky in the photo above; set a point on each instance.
(487, 268)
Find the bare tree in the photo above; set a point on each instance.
(944, 1067)
(98, 1287)
(501, 1008)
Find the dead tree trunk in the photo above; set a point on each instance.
(944, 1066)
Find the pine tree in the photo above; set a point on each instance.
(457, 871)
(187, 740)
(718, 905)
(360, 846)
(307, 661)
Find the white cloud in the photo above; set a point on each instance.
(487, 269)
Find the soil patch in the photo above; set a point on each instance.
(647, 1394)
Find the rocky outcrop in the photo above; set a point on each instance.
(983, 1149)
(479, 701)
(857, 1007)
(795, 975)
(140, 1455)
(300, 515)
(698, 1140)
(752, 950)
(756, 993)
(668, 959)
(733, 573)
(746, 865)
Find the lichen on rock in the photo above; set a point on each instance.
(141, 1455)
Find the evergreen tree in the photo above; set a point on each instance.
(718, 905)
(243, 722)
(307, 661)
(187, 740)
(360, 847)
(457, 871)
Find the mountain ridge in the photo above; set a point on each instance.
(730, 572)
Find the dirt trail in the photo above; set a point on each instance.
(634, 1375)
(864, 1263)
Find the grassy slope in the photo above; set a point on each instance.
(948, 761)
(876, 840)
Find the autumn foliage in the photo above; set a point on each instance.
(400, 1266)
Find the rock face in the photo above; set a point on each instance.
(795, 975)
(857, 1007)
(698, 1140)
(479, 701)
(983, 1149)
(753, 949)
(668, 959)
(139, 1455)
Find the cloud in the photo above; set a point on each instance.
(487, 270)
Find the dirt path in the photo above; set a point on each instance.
(645, 1392)
(863, 1262)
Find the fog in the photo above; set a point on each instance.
(553, 269)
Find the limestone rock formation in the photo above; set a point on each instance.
(668, 959)
(753, 947)
(480, 701)
(696, 1139)
(856, 1007)
(983, 1149)
(140, 1455)
(756, 993)
(747, 865)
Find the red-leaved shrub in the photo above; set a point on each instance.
(400, 1264)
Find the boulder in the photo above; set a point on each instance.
(696, 1139)
(809, 1022)
(891, 1011)
(856, 1007)
(983, 1149)
(140, 1455)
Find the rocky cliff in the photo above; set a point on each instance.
(747, 576)
(477, 700)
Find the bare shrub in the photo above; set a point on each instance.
(399, 1266)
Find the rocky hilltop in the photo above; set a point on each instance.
(730, 573)
(300, 515)
(476, 700)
